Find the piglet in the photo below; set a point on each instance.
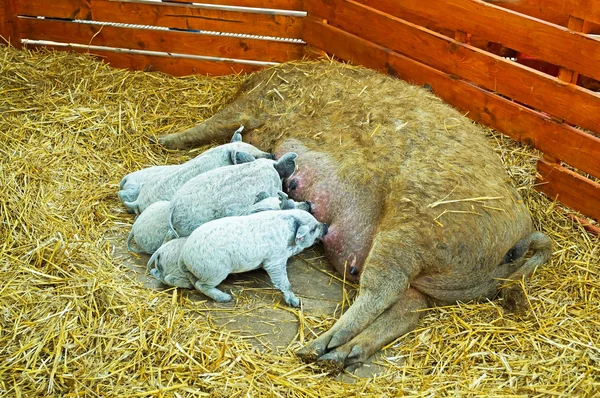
(130, 185)
(239, 244)
(265, 202)
(163, 186)
(208, 196)
(151, 228)
(164, 264)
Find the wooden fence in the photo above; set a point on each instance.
(175, 37)
(464, 49)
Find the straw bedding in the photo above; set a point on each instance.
(75, 322)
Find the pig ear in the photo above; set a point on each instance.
(237, 135)
(282, 195)
(284, 202)
(241, 157)
(261, 196)
(286, 165)
(301, 233)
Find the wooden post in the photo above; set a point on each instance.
(9, 24)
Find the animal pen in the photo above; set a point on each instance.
(529, 69)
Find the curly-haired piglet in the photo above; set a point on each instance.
(264, 202)
(164, 264)
(208, 196)
(130, 185)
(164, 186)
(239, 244)
(151, 228)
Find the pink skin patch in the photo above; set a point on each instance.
(350, 236)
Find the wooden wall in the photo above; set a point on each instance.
(175, 37)
(459, 47)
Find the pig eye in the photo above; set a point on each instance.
(293, 184)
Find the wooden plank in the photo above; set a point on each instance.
(181, 16)
(570, 188)
(536, 89)
(172, 65)
(557, 11)
(160, 40)
(9, 24)
(591, 228)
(584, 9)
(573, 146)
(552, 43)
(294, 5)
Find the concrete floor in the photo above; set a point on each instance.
(258, 310)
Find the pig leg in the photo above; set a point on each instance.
(386, 277)
(213, 292)
(156, 273)
(278, 273)
(178, 282)
(207, 280)
(402, 317)
(218, 128)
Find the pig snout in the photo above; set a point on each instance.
(302, 206)
(308, 206)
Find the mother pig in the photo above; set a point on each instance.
(419, 206)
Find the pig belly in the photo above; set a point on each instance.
(351, 214)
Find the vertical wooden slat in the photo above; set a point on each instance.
(568, 75)
(9, 24)
(462, 37)
(577, 25)
(3, 18)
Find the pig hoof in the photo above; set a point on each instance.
(513, 299)
(307, 355)
(356, 352)
(165, 141)
(338, 339)
(218, 296)
(333, 362)
(156, 273)
(225, 298)
(356, 358)
(292, 300)
(353, 366)
(313, 350)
